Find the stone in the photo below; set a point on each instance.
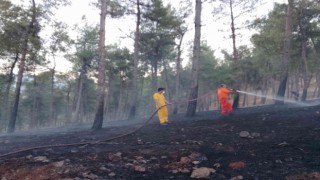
(41, 159)
(114, 157)
(90, 176)
(283, 144)
(255, 134)
(112, 174)
(239, 177)
(58, 164)
(185, 160)
(196, 162)
(237, 165)
(102, 168)
(185, 170)
(174, 171)
(217, 165)
(140, 168)
(202, 172)
(244, 134)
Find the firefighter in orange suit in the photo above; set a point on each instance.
(161, 103)
(223, 95)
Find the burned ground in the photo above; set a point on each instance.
(267, 142)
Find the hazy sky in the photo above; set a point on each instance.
(216, 33)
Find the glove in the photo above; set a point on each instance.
(233, 90)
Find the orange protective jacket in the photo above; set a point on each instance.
(223, 93)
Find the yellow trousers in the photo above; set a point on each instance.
(163, 115)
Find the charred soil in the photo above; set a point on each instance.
(254, 143)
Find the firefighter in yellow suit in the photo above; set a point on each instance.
(161, 103)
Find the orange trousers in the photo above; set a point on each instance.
(226, 107)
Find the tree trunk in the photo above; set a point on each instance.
(98, 120)
(67, 110)
(233, 31)
(178, 69)
(255, 98)
(236, 69)
(53, 71)
(35, 103)
(108, 97)
(5, 114)
(119, 109)
(167, 81)
(317, 76)
(135, 93)
(264, 90)
(192, 105)
(305, 61)
(76, 113)
(14, 112)
(286, 55)
(245, 98)
(154, 75)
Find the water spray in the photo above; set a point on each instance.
(275, 98)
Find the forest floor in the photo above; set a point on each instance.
(266, 142)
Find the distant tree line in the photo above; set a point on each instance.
(109, 82)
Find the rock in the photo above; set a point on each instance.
(139, 141)
(115, 157)
(90, 176)
(174, 171)
(288, 159)
(185, 160)
(41, 159)
(102, 168)
(278, 161)
(138, 157)
(196, 162)
(255, 134)
(6, 142)
(217, 165)
(239, 177)
(139, 168)
(202, 172)
(184, 170)
(153, 158)
(58, 164)
(112, 174)
(244, 134)
(84, 146)
(237, 165)
(283, 144)
(66, 171)
(74, 150)
(164, 157)
(128, 165)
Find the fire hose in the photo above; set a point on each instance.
(104, 140)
